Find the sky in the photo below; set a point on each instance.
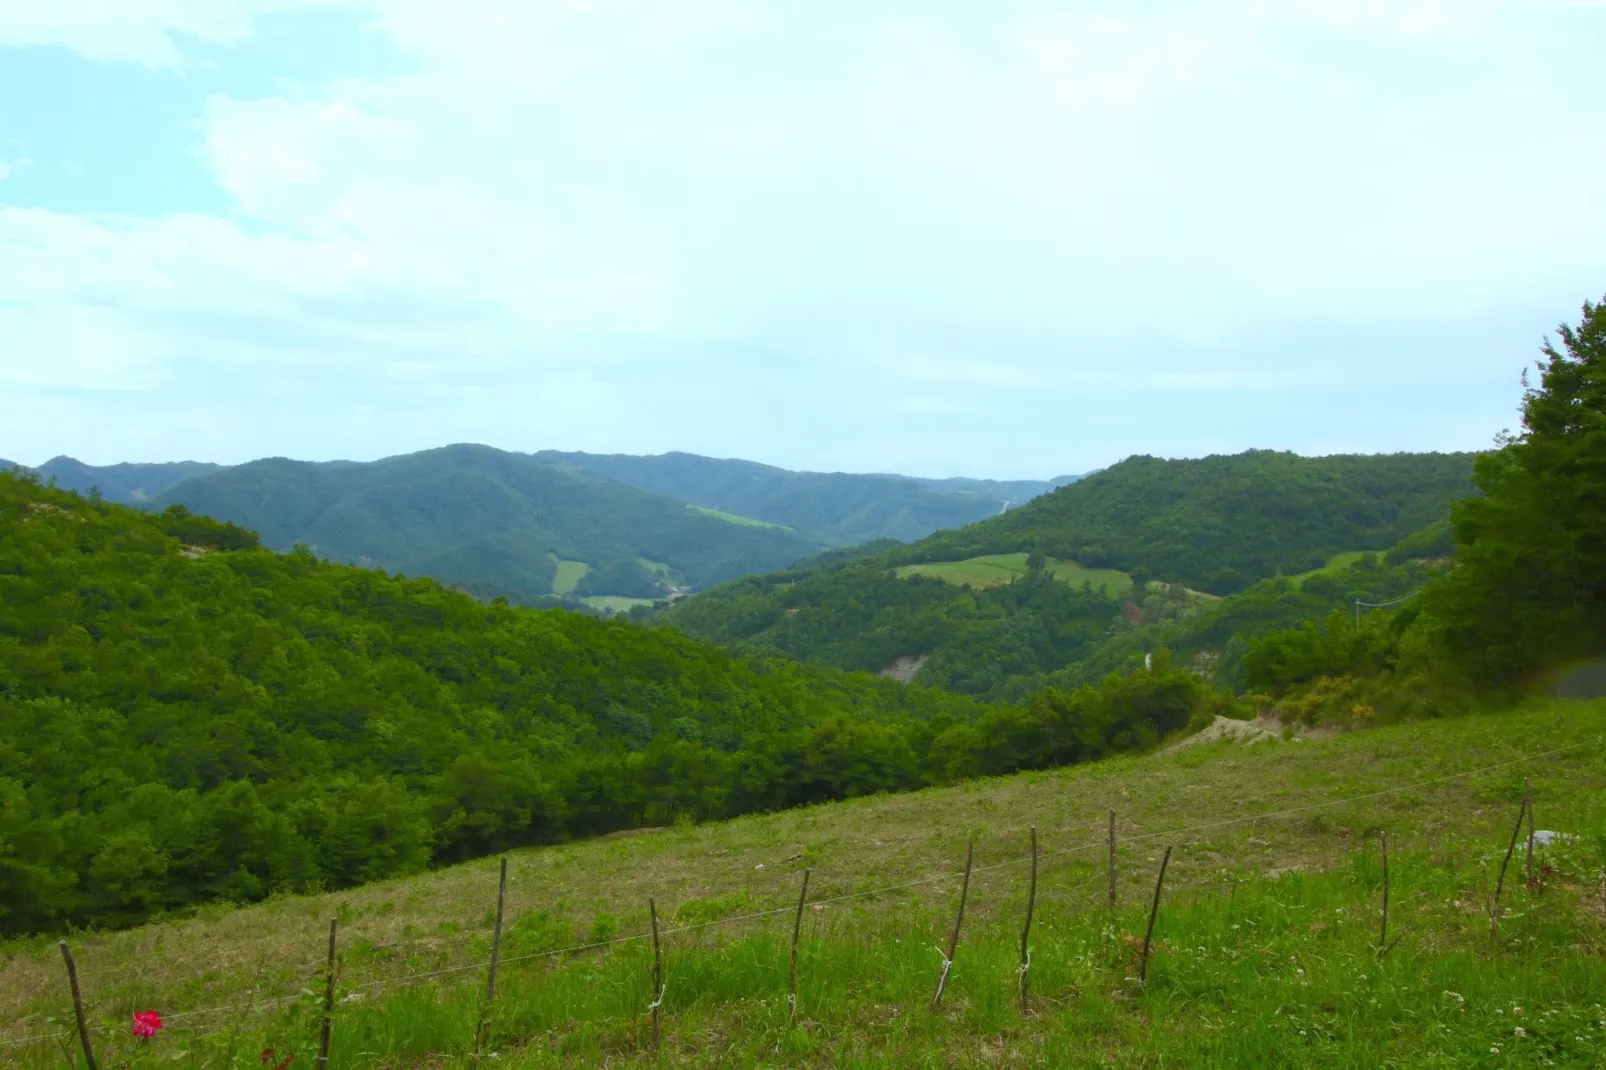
(1005, 239)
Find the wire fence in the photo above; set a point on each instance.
(1126, 840)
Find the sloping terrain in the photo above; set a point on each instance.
(486, 521)
(186, 717)
(1221, 523)
(127, 483)
(1265, 952)
(998, 629)
(838, 508)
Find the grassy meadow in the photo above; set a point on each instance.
(990, 570)
(733, 518)
(569, 574)
(1265, 944)
(615, 603)
(1336, 563)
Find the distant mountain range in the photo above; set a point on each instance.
(533, 527)
(127, 483)
(835, 508)
(982, 608)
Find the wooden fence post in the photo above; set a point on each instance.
(1154, 910)
(1112, 859)
(1026, 930)
(953, 938)
(1528, 794)
(1383, 932)
(657, 972)
(78, 1006)
(328, 1000)
(791, 974)
(482, 1033)
(1494, 907)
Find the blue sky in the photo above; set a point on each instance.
(1006, 239)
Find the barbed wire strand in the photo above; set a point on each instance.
(866, 893)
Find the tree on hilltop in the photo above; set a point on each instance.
(1529, 592)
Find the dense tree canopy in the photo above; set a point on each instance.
(1527, 593)
(489, 522)
(1221, 523)
(838, 508)
(1177, 523)
(865, 617)
(185, 716)
(1530, 588)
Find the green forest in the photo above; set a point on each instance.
(1525, 604)
(835, 508)
(485, 521)
(187, 717)
(1279, 514)
(1220, 523)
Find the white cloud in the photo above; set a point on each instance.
(962, 199)
(147, 32)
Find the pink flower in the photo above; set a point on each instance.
(146, 1024)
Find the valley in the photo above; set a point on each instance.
(552, 527)
(723, 533)
(1236, 674)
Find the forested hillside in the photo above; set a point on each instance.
(977, 641)
(489, 522)
(1525, 606)
(1263, 513)
(128, 483)
(185, 717)
(838, 508)
(532, 527)
(1221, 523)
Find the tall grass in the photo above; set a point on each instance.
(1248, 971)
(1276, 872)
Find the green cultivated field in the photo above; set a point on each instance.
(994, 569)
(1336, 563)
(732, 518)
(1265, 946)
(615, 603)
(569, 575)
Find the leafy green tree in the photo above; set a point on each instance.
(1529, 591)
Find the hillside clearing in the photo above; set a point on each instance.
(1336, 563)
(733, 518)
(870, 959)
(990, 570)
(615, 603)
(568, 575)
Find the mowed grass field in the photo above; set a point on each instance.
(569, 575)
(1336, 563)
(615, 603)
(1265, 947)
(733, 518)
(993, 569)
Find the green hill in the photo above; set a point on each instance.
(1012, 492)
(1221, 523)
(837, 508)
(185, 717)
(127, 483)
(1265, 943)
(987, 624)
(489, 522)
